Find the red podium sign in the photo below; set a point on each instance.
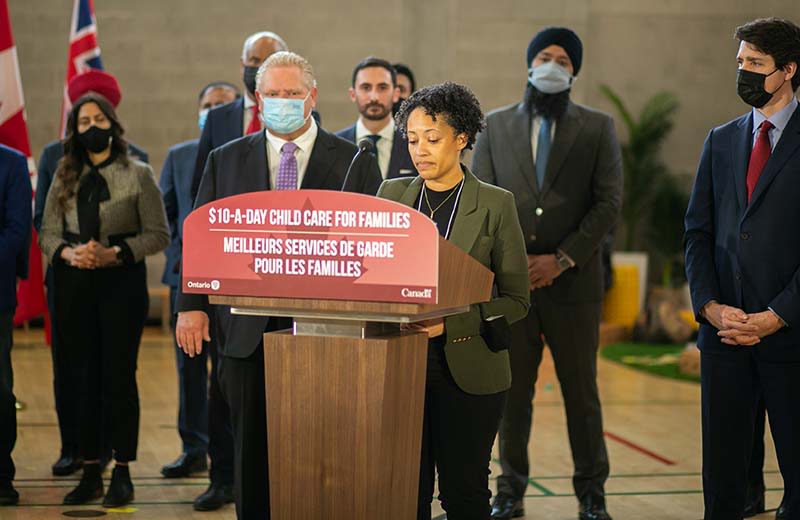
(311, 244)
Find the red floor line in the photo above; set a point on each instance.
(644, 451)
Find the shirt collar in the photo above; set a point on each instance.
(304, 142)
(248, 103)
(779, 119)
(387, 133)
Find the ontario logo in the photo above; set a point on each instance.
(213, 285)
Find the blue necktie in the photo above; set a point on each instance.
(374, 138)
(542, 151)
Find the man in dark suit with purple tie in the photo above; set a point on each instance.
(292, 153)
(743, 266)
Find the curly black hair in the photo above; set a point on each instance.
(456, 103)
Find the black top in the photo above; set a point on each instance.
(92, 189)
(443, 205)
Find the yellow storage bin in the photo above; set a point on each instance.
(621, 304)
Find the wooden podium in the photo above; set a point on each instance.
(345, 396)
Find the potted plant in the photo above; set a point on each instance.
(646, 181)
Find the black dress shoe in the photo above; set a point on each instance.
(67, 465)
(8, 495)
(120, 491)
(89, 488)
(781, 514)
(185, 465)
(216, 496)
(753, 501)
(593, 509)
(505, 507)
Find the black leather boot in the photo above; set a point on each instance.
(89, 488)
(120, 490)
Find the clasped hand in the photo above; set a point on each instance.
(737, 327)
(543, 270)
(90, 255)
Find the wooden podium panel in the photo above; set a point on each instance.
(344, 422)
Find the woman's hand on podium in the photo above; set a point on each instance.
(191, 330)
(432, 327)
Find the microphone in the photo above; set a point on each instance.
(366, 151)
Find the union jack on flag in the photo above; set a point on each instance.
(84, 51)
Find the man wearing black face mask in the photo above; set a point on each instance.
(232, 121)
(562, 162)
(743, 273)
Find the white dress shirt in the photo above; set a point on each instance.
(536, 124)
(384, 144)
(305, 144)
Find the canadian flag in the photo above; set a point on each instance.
(14, 133)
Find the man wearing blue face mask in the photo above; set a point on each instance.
(201, 418)
(742, 265)
(562, 162)
(294, 152)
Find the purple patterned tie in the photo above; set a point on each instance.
(287, 170)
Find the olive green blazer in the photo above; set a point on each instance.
(487, 227)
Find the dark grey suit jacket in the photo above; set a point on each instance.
(580, 197)
(241, 166)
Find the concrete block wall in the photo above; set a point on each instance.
(164, 51)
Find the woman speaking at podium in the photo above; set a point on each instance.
(468, 365)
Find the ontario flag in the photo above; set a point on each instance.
(84, 52)
(14, 133)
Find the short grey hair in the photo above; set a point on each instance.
(262, 34)
(288, 59)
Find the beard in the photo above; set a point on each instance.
(551, 106)
(372, 115)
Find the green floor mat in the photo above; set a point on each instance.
(658, 359)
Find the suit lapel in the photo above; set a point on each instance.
(409, 197)
(255, 166)
(567, 130)
(741, 146)
(518, 135)
(469, 216)
(320, 162)
(788, 144)
(235, 118)
(394, 160)
(350, 134)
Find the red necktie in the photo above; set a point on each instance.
(255, 122)
(759, 157)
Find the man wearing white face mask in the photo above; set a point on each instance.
(292, 153)
(562, 162)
